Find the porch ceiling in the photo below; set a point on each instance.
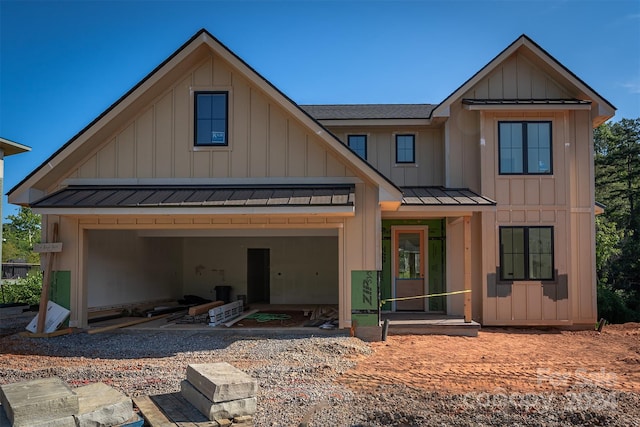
(196, 196)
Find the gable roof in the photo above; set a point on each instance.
(10, 148)
(606, 109)
(388, 190)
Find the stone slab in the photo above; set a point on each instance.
(101, 405)
(221, 382)
(217, 410)
(30, 403)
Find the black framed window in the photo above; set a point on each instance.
(358, 144)
(211, 118)
(405, 148)
(526, 253)
(525, 147)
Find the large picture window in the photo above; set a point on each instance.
(525, 147)
(358, 144)
(405, 148)
(526, 253)
(211, 118)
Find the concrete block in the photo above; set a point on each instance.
(101, 406)
(30, 403)
(217, 410)
(221, 382)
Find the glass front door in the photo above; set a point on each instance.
(410, 266)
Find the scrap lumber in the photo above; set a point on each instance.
(58, 333)
(151, 413)
(46, 279)
(126, 324)
(204, 308)
(237, 319)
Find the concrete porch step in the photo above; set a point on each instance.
(419, 324)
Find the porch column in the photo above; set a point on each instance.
(467, 268)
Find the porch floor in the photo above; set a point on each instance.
(420, 323)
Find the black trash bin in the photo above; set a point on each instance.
(223, 293)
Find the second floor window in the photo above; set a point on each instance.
(405, 148)
(358, 144)
(211, 111)
(524, 147)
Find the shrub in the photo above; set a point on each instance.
(24, 290)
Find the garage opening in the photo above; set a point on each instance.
(274, 268)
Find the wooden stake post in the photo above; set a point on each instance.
(50, 249)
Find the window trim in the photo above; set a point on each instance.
(196, 144)
(527, 273)
(525, 148)
(413, 149)
(366, 144)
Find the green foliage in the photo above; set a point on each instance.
(20, 234)
(25, 290)
(617, 167)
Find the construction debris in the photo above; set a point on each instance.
(215, 394)
(50, 402)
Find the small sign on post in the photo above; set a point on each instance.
(47, 247)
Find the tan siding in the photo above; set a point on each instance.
(182, 123)
(297, 152)
(144, 144)
(278, 125)
(107, 160)
(163, 148)
(518, 77)
(202, 76)
(259, 131)
(316, 158)
(126, 153)
(263, 140)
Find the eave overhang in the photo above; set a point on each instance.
(525, 104)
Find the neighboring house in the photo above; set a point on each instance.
(205, 174)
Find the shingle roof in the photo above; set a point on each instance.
(198, 196)
(369, 111)
(439, 196)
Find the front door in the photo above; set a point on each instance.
(410, 262)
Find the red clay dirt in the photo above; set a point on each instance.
(505, 360)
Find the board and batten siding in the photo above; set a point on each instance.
(519, 77)
(264, 141)
(563, 200)
(428, 168)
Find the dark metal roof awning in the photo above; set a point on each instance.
(568, 104)
(199, 196)
(441, 196)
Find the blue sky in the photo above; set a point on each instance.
(62, 63)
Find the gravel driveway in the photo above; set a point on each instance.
(299, 380)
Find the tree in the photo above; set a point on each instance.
(617, 162)
(20, 234)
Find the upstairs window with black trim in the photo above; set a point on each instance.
(358, 144)
(211, 118)
(526, 253)
(405, 148)
(525, 147)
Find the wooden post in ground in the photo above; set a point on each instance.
(46, 279)
(467, 269)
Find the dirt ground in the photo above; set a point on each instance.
(506, 360)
